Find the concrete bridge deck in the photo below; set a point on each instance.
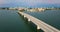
(40, 24)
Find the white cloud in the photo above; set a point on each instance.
(6, 1)
(29, 2)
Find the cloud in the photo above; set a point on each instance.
(6, 1)
(35, 2)
(2, 2)
(29, 2)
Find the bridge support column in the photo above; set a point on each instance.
(29, 20)
(24, 16)
(38, 27)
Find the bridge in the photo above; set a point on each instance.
(40, 24)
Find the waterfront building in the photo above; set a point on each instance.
(41, 9)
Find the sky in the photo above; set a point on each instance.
(27, 2)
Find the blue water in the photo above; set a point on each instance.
(11, 21)
(51, 17)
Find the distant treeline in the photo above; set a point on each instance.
(4, 8)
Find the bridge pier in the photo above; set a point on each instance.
(38, 27)
(29, 20)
